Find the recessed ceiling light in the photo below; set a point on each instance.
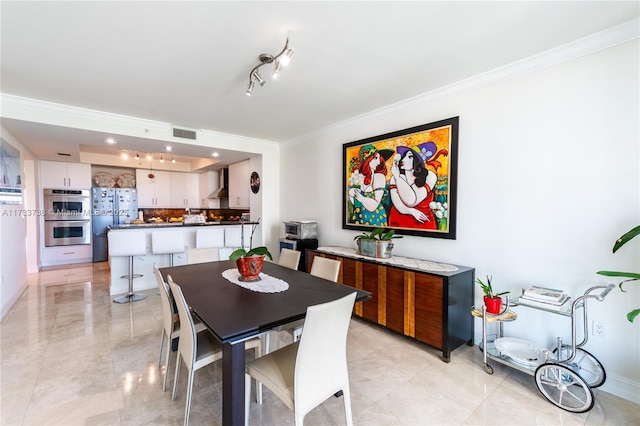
(168, 148)
(110, 141)
(215, 154)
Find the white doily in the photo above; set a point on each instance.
(266, 284)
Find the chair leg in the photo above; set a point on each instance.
(247, 397)
(258, 354)
(346, 394)
(187, 409)
(298, 419)
(177, 376)
(166, 363)
(161, 346)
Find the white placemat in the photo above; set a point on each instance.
(266, 284)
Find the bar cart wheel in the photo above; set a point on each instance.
(564, 388)
(586, 365)
(488, 369)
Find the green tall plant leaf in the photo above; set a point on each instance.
(625, 238)
(632, 276)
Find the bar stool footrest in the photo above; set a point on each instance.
(133, 276)
(131, 297)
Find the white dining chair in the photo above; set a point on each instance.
(198, 349)
(328, 269)
(289, 258)
(170, 323)
(305, 373)
(322, 267)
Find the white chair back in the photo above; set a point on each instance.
(165, 298)
(289, 258)
(329, 269)
(202, 255)
(129, 243)
(163, 242)
(211, 237)
(321, 363)
(187, 342)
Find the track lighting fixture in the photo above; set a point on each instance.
(280, 60)
(150, 156)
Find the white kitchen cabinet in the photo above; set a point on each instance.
(185, 190)
(209, 182)
(59, 175)
(239, 176)
(153, 192)
(63, 255)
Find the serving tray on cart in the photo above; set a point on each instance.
(521, 352)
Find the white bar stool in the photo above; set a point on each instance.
(129, 243)
(209, 238)
(167, 242)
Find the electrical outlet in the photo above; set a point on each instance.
(598, 329)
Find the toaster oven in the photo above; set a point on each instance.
(301, 230)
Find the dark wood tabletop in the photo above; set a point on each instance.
(232, 312)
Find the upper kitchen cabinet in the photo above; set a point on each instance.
(239, 185)
(153, 192)
(59, 175)
(185, 190)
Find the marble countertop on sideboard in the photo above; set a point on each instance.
(404, 262)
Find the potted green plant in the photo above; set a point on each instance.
(492, 300)
(377, 243)
(632, 276)
(249, 262)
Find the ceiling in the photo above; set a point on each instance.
(188, 63)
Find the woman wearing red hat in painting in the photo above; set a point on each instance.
(411, 186)
(368, 208)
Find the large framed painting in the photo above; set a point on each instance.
(404, 180)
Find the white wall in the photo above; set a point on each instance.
(548, 179)
(13, 238)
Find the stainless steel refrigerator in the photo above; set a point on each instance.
(110, 206)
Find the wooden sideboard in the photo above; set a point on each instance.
(429, 306)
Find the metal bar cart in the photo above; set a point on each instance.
(565, 375)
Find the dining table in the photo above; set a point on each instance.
(234, 313)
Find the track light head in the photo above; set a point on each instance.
(256, 75)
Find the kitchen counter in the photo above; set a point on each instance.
(227, 236)
(180, 224)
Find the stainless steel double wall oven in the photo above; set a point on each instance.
(67, 217)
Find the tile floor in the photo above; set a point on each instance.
(70, 356)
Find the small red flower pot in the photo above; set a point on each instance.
(250, 267)
(493, 304)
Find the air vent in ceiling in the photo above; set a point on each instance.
(185, 134)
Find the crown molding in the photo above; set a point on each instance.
(593, 43)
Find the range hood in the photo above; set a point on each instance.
(222, 192)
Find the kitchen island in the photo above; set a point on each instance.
(227, 238)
